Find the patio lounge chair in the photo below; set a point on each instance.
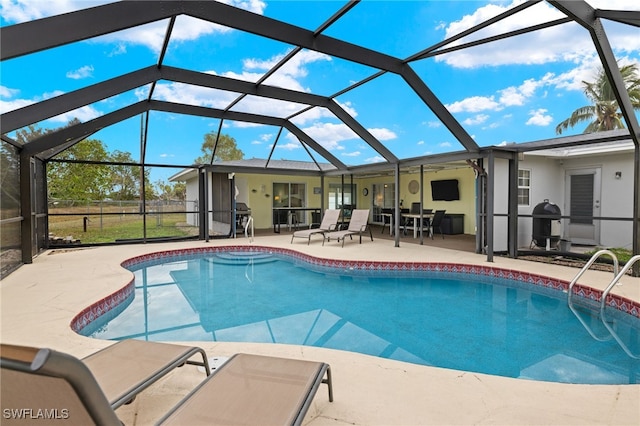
(329, 223)
(357, 225)
(248, 389)
(251, 390)
(114, 375)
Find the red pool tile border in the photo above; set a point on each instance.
(101, 307)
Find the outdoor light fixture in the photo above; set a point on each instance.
(618, 175)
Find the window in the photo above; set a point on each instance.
(524, 187)
(287, 194)
(342, 197)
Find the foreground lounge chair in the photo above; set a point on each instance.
(127, 367)
(253, 390)
(31, 377)
(248, 389)
(357, 225)
(329, 223)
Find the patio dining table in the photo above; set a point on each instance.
(422, 218)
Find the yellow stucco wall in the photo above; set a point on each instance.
(260, 198)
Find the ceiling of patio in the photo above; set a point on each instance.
(297, 83)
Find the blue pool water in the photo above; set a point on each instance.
(500, 327)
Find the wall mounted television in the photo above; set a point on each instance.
(445, 190)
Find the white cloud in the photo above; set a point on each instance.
(491, 126)
(83, 114)
(348, 107)
(119, 49)
(553, 44)
(329, 135)
(517, 96)
(292, 70)
(374, 159)
(539, 118)
(82, 72)
(445, 144)
(6, 106)
(474, 104)
(6, 92)
(586, 70)
(351, 154)
(382, 134)
(13, 104)
(191, 95)
(420, 143)
(289, 146)
(150, 35)
(478, 119)
(16, 11)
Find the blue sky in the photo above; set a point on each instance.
(515, 90)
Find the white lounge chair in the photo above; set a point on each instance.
(357, 225)
(329, 223)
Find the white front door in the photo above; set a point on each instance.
(583, 202)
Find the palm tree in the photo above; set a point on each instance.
(603, 114)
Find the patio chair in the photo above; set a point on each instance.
(251, 390)
(357, 225)
(412, 221)
(114, 375)
(436, 222)
(329, 223)
(246, 390)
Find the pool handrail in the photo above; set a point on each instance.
(575, 280)
(588, 265)
(605, 293)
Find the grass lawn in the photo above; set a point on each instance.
(109, 228)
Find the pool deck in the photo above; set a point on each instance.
(38, 302)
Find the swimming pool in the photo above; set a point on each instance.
(503, 322)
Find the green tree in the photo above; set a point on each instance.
(227, 149)
(9, 181)
(30, 133)
(77, 181)
(604, 112)
(125, 179)
(171, 190)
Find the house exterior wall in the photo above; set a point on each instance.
(466, 205)
(193, 200)
(256, 191)
(616, 195)
(548, 182)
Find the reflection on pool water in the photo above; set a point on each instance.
(490, 325)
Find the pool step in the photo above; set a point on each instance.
(241, 258)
